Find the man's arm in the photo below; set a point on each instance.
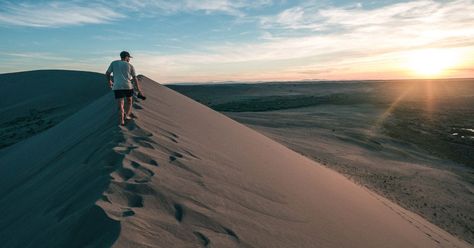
(109, 79)
(135, 80)
(108, 75)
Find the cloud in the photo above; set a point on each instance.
(117, 35)
(306, 40)
(55, 14)
(160, 7)
(353, 17)
(60, 14)
(294, 18)
(329, 42)
(35, 55)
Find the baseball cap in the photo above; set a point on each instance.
(124, 54)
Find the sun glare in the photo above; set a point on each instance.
(432, 62)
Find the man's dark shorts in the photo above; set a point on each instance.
(123, 93)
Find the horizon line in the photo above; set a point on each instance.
(255, 81)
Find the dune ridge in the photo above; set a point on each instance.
(183, 175)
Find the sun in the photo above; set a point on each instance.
(432, 62)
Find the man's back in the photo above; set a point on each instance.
(123, 73)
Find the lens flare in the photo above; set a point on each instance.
(378, 123)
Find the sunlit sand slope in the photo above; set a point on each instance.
(192, 176)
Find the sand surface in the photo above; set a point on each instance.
(408, 140)
(437, 189)
(34, 101)
(183, 175)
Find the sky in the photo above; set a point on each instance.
(256, 40)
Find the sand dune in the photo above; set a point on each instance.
(183, 175)
(34, 101)
(414, 150)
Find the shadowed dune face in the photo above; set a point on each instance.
(34, 101)
(51, 181)
(183, 175)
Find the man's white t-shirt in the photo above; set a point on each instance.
(123, 72)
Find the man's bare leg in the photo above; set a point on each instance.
(120, 111)
(128, 106)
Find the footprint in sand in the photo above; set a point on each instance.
(140, 188)
(146, 144)
(125, 174)
(143, 143)
(143, 175)
(174, 137)
(137, 106)
(144, 158)
(124, 199)
(170, 135)
(105, 198)
(191, 154)
(134, 200)
(175, 155)
(173, 159)
(153, 162)
(139, 173)
(147, 139)
(178, 212)
(128, 213)
(135, 164)
(202, 238)
(231, 233)
(145, 171)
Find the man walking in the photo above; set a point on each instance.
(121, 83)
